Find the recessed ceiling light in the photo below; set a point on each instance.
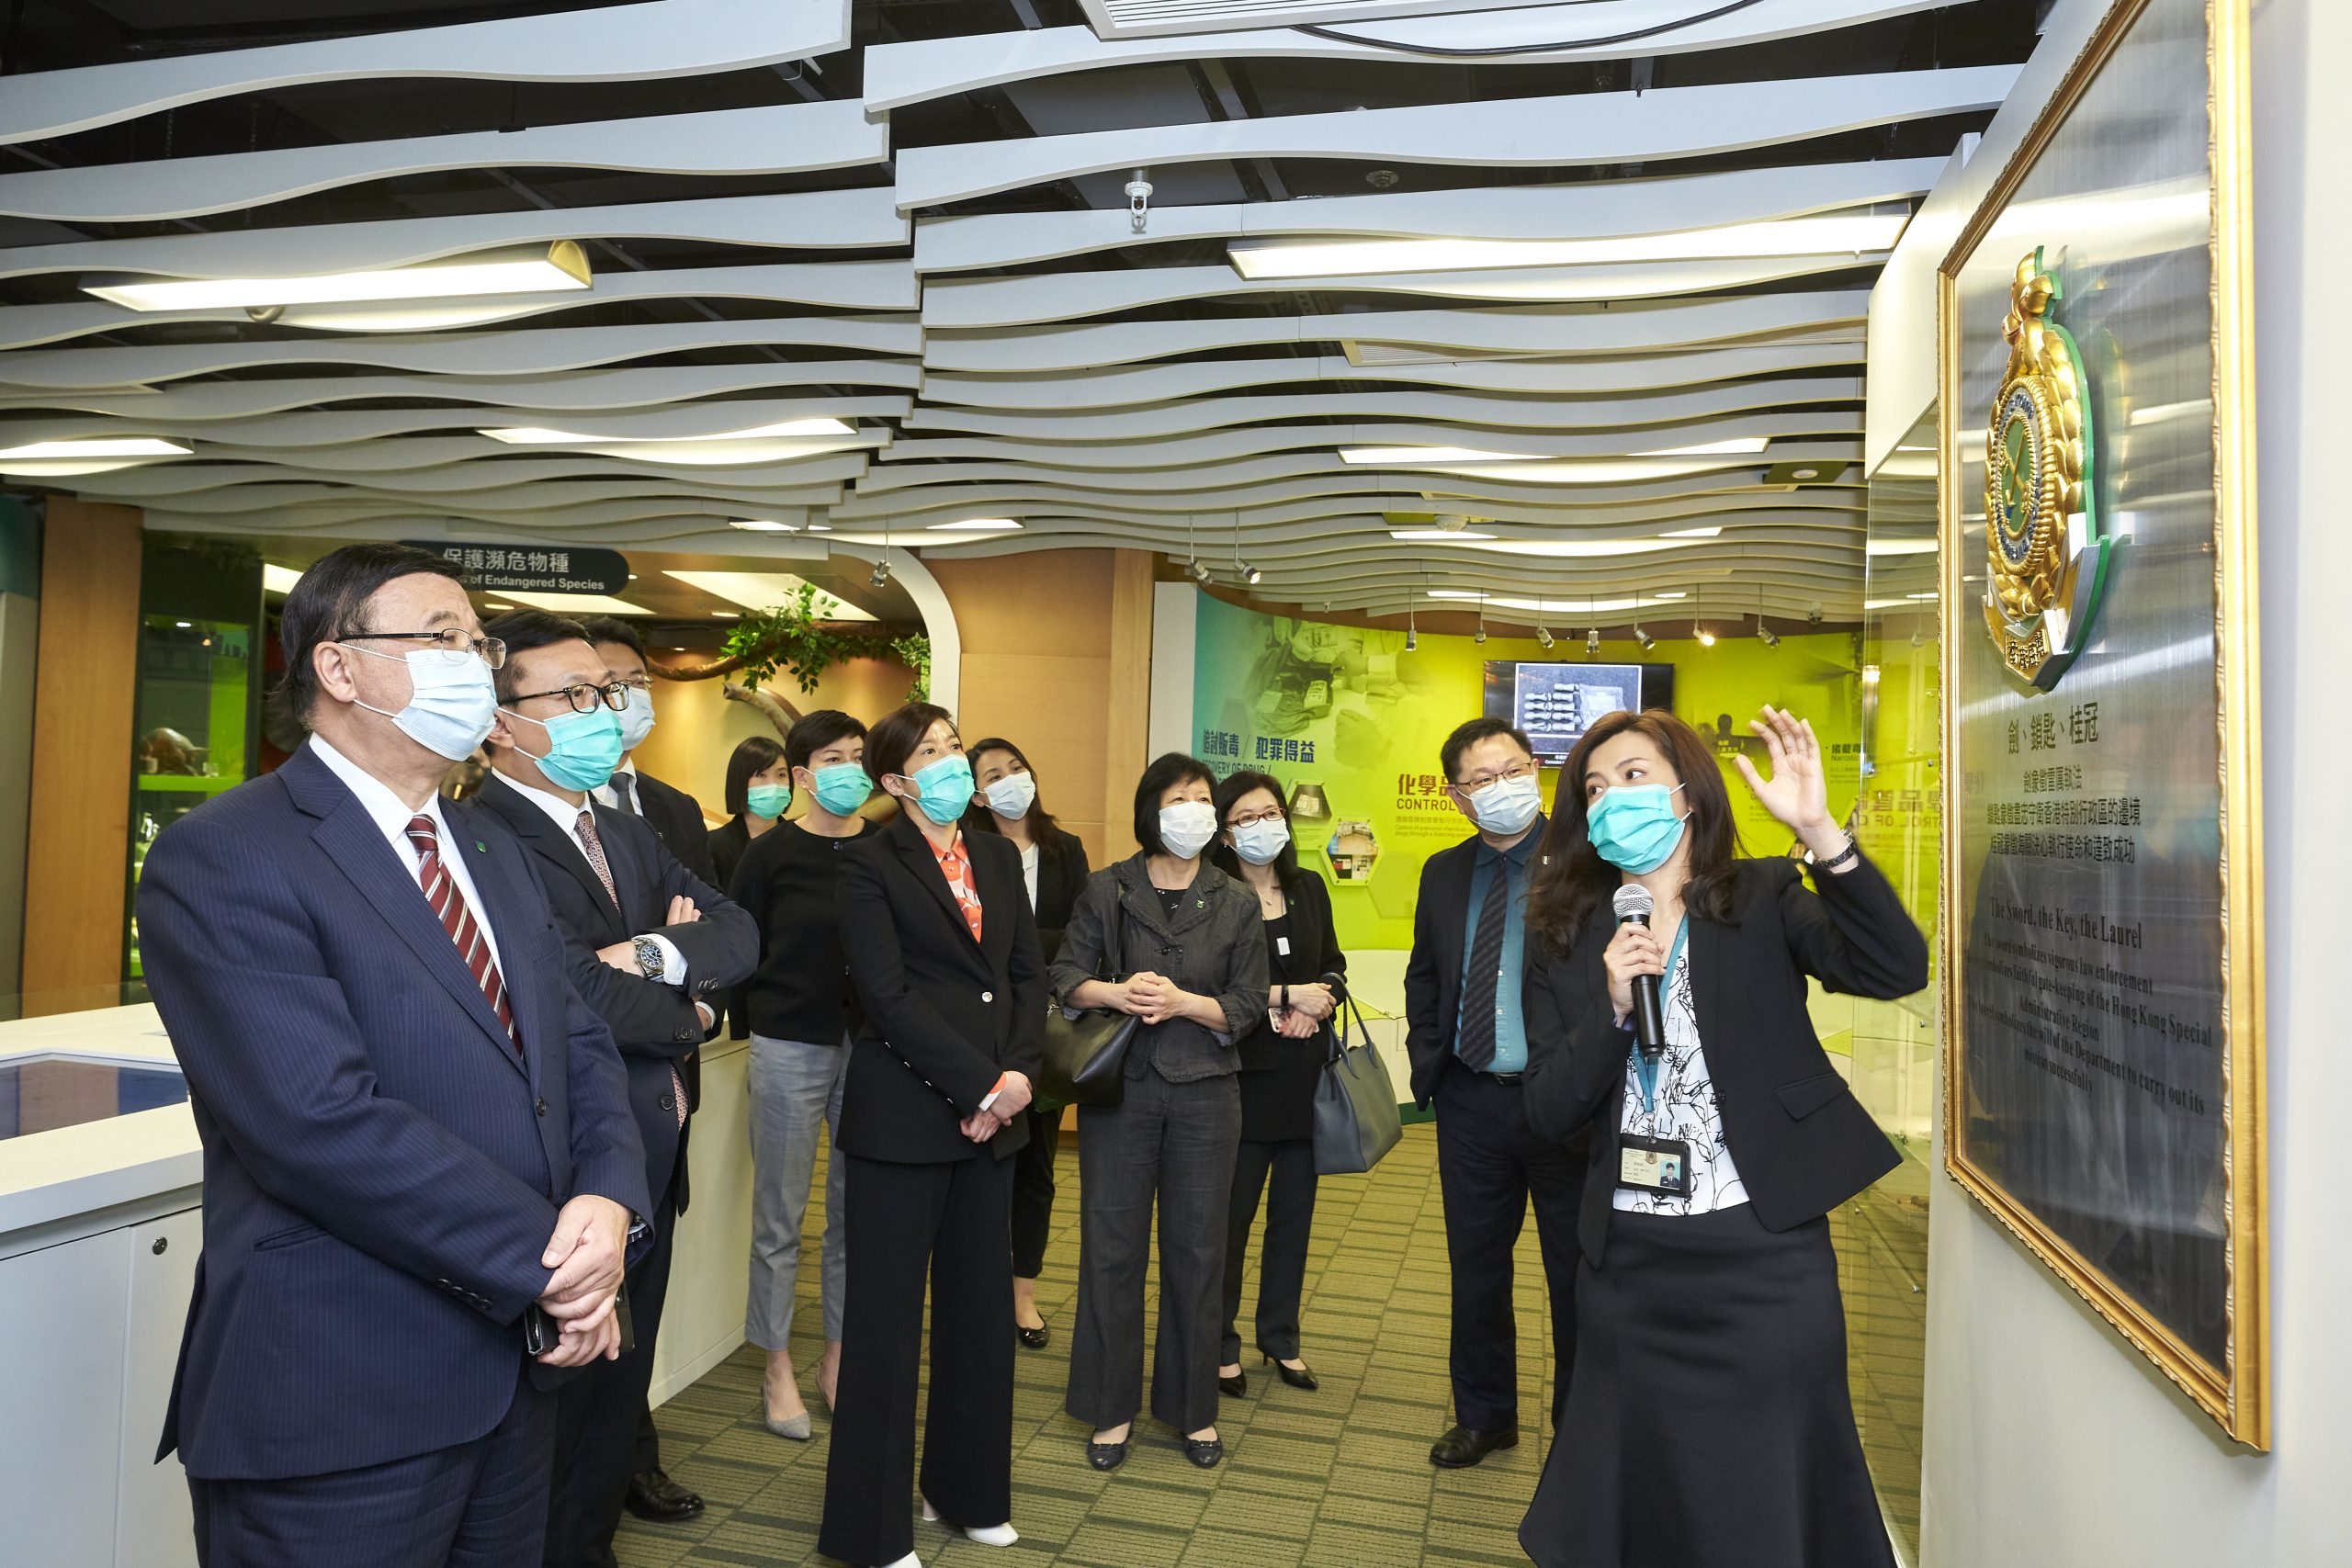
(1779, 237)
(574, 603)
(1436, 535)
(1691, 533)
(1900, 547)
(766, 591)
(534, 435)
(977, 525)
(277, 579)
(763, 525)
(101, 447)
(184, 624)
(529, 270)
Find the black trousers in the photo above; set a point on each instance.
(1032, 1192)
(1282, 1268)
(910, 1224)
(596, 1419)
(479, 1505)
(1490, 1165)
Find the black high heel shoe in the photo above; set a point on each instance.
(1035, 1338)
(1236, 1386)
(1303, 1376)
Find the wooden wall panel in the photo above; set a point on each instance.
(76, 865)
(1129, 712)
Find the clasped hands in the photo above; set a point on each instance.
(589, 1254)
(1309, 1006)
(1010, 1101)
(1155, 998)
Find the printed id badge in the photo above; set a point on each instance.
(1654, 1165)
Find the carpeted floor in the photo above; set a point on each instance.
(1340, 1478)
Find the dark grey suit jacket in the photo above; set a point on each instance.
(1213, 945)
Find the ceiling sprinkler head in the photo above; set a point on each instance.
(1138, 199)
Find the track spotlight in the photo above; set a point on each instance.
(1413, 639)
(1771, 639)
(1706, 639)
(881, 577)
(1647, 641)
(1592, 643)
(1480, 635)
(1197, 572)
(1544, 637)
(1250, 574)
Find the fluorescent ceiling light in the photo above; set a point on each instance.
(574, 603)
(977, 525)
(730, 453)
(764, 526)
(1436, 535)
(531, 436)
(1586, 550)
(1780, 237)
(1550, 606)
(1900, 547)
(529, 270)
(278, 579)
(101, 447)
(1739, 447)
(1584, 470)
(1691, 533)
(1737, 443)
(766, 591)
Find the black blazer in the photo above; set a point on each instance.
(726, 843)
(1060, 879)
(1802, 1142)
(677, 820)
(1433, 973)
(655, 1025)
(1314, 953)
(944, 1016)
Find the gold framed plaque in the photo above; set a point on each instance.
(2103, 985)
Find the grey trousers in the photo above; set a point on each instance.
(1175, 1142)
(794, 1087)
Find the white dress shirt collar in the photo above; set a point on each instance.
(561, 812)
(390, 813)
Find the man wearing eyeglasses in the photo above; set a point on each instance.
(415, 1131)
(648, 941)
(1468, 1047)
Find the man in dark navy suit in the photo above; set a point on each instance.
(415, 1131)
(649, 940)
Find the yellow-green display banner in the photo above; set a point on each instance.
(1350, 724)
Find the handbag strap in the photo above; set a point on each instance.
(1339, 1030)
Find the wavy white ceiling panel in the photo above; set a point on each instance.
(783, 139)
(697, 421)
(827, 219)
(901, 73)
(476, 474)
(1533, 329)
(620, 44)
(1579, 130)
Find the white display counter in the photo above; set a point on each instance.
(100, 1233)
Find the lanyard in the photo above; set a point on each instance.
(1645, 1066)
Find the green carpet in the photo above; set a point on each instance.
(1340, 1478)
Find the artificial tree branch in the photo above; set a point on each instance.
(779, 713)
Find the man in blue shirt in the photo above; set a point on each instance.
(1468, 1045)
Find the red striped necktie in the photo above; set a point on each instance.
(449, 904)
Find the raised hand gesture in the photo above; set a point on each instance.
(1797, 794)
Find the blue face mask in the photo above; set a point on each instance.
(944, 788)
(842, 787)
(768, 800)
(1633, 827)
(452, 702)
(582, 748)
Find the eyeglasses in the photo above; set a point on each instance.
(1478, 782)
(1271, 814)
(455, 643)
(583, 697)
(636, 682)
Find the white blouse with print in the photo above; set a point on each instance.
(1685, 1108)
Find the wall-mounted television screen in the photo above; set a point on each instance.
(1556, 704)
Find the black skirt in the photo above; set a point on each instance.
(1708, 1423)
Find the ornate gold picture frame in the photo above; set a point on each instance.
(2057, 1116)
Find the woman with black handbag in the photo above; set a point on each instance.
(1053, 863)
(1708, 1422)
(1282, 1060)
(1195, 981)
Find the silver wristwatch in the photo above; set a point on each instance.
(650, 961)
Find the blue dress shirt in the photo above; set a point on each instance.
(1510, 1027)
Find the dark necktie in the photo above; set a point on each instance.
(449, 908)
(1482, 975)
(621, 793)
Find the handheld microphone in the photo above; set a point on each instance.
(1634, 903)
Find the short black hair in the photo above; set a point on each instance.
(757, 755)
(327, 604)
(1465, 736)
(812, 732)
(1164, 774)
(893, 739)
(1228, 795)
(612, 628)
(523, 630)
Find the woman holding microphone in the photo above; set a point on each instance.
(1191, 965)
(1708, 1423)
(943, 954)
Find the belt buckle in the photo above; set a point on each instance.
(1506, 1078)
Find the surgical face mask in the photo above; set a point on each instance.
(1635, 826)
(1012, 795)
(944, 788)
(841, 788)
(1186, 827)
(637, 719)
(582, 748)
(767, 800)
(452, 702)
(1507, 805)
(1258, 842)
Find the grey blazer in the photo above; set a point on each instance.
(1213, 945)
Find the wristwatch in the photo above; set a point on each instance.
(650, 961)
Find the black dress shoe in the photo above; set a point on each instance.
(654, 1497)
(1107, 1456)
(1463, 1447)
(1301, 1376)
(1033, 1337)
(1207, 1454)
(1236, 1386)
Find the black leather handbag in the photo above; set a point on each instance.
(1356, 1119)
(1085, 1058)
